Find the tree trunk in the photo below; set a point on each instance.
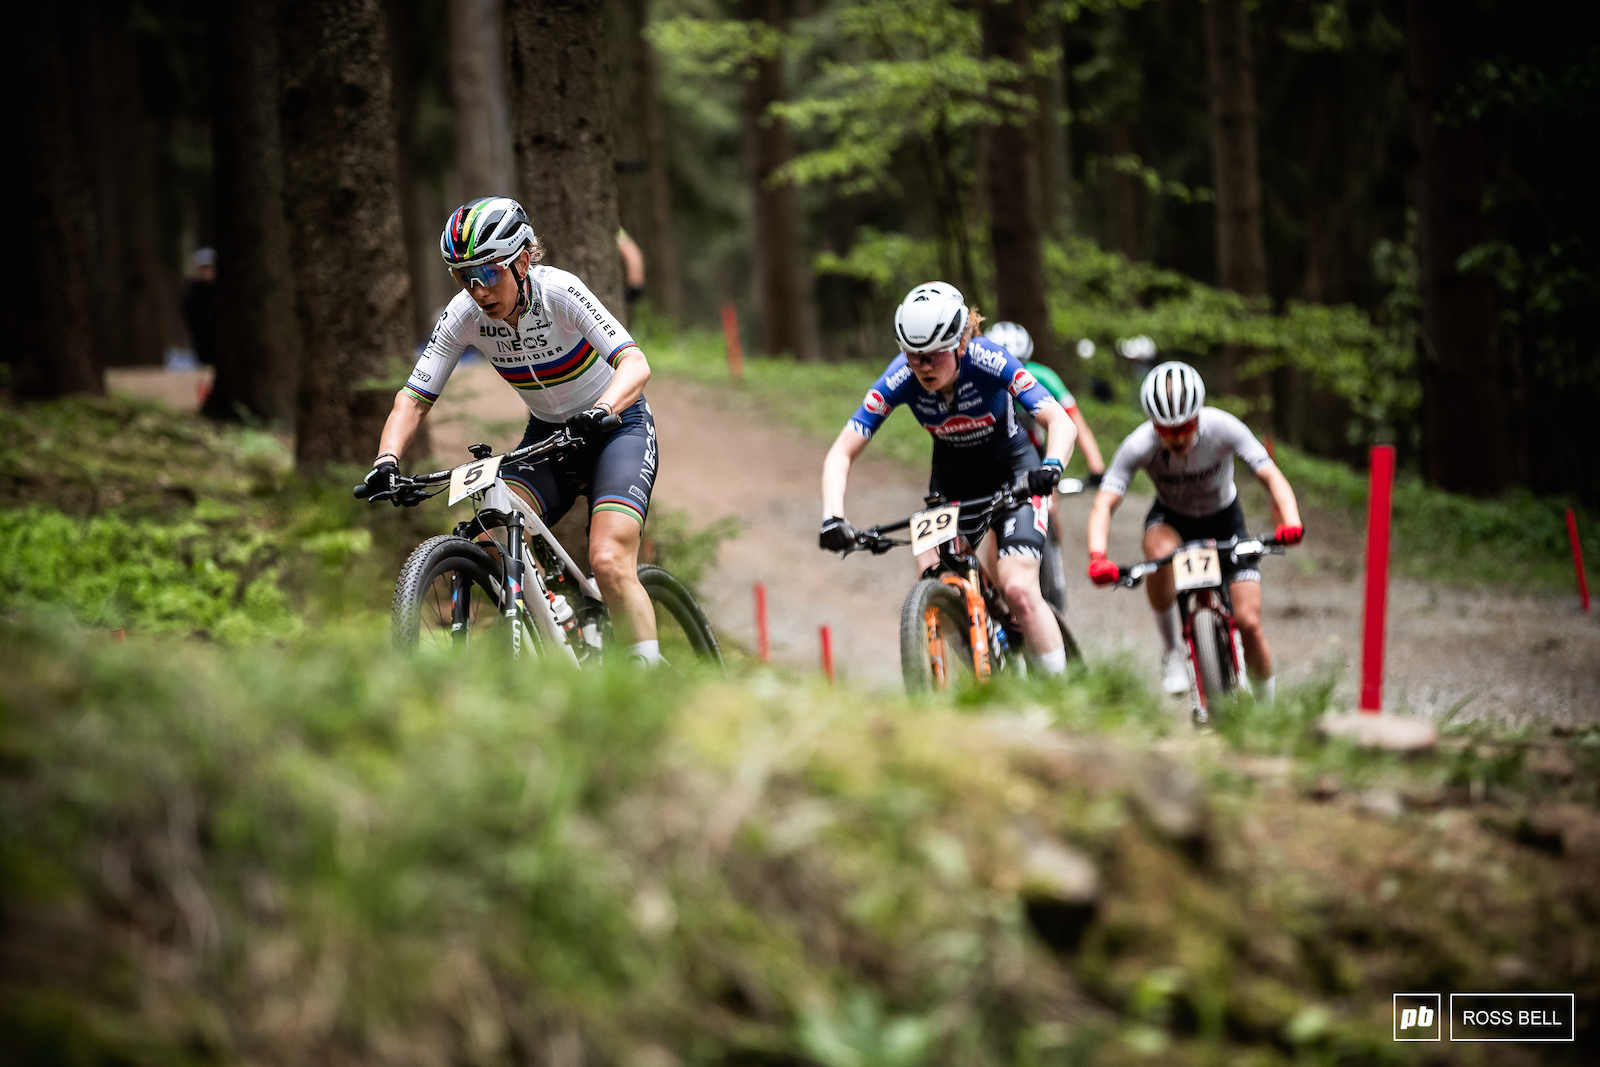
(1055, 172)
(780, 281)
(346, 241)
(478, 86)
(50, 305)
(256, 330)
(1012, 184)
(136, 293)
(1464, 417)
(561, 136)
(1241, 256)
(1125, 197)
(660, 247)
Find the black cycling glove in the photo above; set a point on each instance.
(585, 425)
(1042, 480)
(1094, 480)
(381, 482)
(836, 535)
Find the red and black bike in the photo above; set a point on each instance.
(1210, 636)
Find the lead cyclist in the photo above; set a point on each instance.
(573, 364)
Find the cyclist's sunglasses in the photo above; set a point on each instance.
(925, 359)
(485, 274)
(1183, 429)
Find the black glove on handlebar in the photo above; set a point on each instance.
(836, 535)
(1042, 480)
(381, 483)
(1094, 480)
(587, 425)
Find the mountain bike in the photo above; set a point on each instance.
(502, 577)
(954, 623)
(1214, 650)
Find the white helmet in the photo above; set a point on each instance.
(490, 229)
(931, 318)
(1013, 338)
(1172, 394)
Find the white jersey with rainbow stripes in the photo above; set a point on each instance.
(559, 356)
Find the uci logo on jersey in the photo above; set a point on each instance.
(875, 403)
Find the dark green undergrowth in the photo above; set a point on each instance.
(133, 517)
(314, 851)
(1518, 540)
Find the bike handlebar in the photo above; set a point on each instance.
(1239, 548)
(873, 538)
(563, 438)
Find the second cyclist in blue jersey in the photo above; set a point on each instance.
(962, 388)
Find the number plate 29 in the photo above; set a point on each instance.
(472, 477)
(1196, 568)
(930, 529)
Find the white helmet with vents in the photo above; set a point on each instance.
(1012, 337)
(1172, 394)
(931, 318)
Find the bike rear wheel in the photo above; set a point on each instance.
(1052, 575)
(450, 592)
(934, 629)
(1214, 655)
(681, 626)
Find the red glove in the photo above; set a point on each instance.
(1101, 570)
(1289, 535)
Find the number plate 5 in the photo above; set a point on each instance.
(472, 477)
(930, 529)
(1196, 568)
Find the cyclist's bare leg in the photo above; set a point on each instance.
(1246, 597)
(614, 557)
(1019, 584)
(1159, 540)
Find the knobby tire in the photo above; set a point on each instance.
(416, 591)
(667, 592)
(916, 664)
(1214, 654)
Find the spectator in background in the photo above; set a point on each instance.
(632, 268)
(200, 304)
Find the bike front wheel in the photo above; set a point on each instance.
(681, 626)
(450, 592)
(1213, 654)
(935, 648)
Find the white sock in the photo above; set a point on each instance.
(1167, 626)
(1266, 690)
(648, 651)
(1050, 663)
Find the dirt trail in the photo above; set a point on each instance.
(1505, 654)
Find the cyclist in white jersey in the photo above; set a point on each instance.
(573, 364)
(1188, 451)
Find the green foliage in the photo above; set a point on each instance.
(308, 850)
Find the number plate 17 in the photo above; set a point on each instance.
(1196, 568)
(930, 529)
(472, 477)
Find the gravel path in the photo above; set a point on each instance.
(1503, 654)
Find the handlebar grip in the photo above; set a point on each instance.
(362, 491)
(610, 422)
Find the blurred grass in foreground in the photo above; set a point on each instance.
(1517, 540)
(317, 851)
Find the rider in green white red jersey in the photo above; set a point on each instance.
(1016, 340)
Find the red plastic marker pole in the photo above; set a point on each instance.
(1379, 496)
(730, 337)
(827, 652)
(763, 637)
(1577, 558)
(119, 635)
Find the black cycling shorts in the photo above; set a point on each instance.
(1021, 532)
(1218, 526)
(616, 472)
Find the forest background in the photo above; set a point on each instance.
(1363, 219)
